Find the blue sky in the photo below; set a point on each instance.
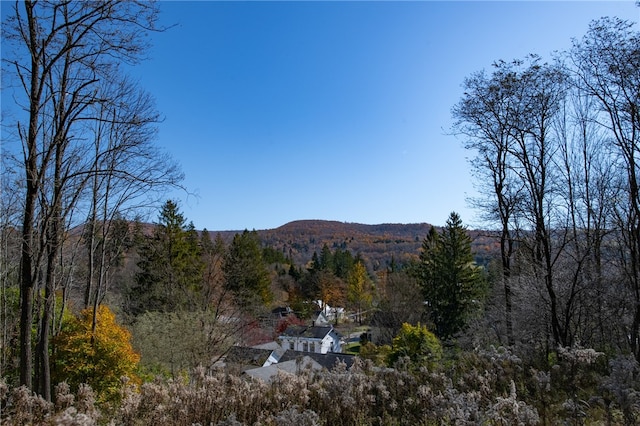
(334, 110)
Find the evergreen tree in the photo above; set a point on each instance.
(273, 256)
(343, 263)
(246, 273)
(171, 266)
(315, 263)
(218, 245)
(294, 272)
(453, 285)
(206, 244)
(326, 258)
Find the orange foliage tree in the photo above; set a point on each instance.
(98, 359)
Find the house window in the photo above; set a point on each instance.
(313, 346)
(291, 345)
(305, 347)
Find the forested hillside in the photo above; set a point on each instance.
(377, 244)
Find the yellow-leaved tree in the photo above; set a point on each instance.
(98, 359)
(359, 290)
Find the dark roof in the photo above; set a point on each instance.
(247, 356)
(311, 332)
(282, 311)
(328, 360)
(267, 373)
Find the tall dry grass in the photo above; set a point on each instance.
(491, 388)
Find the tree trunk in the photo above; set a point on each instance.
(32, 186)
(506, 250)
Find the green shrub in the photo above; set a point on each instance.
(418, 344)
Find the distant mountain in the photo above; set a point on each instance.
(299, 239)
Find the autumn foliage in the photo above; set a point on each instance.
(100, 359)
(286, 322)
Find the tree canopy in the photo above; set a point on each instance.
(245, 271)
(453, 285)
(171, 266)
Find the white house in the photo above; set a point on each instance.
(314, 339)
(331, 313)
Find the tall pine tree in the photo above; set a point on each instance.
(453, 285)
(245, 271)
(171, 266)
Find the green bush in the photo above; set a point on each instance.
(418, 344)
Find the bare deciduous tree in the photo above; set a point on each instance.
(607, 67)
(546, 181)
(483, 117)
(64, 54)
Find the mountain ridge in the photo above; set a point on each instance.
(376, 244)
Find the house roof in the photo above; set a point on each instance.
(328, 360)
(282, 311)
(247, 356)
(275, 348)
(294, 366)
(310, 332)
(273, 345)
(320, 317)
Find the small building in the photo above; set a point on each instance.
(315, 339)
(281, 312)
(294, 363)
(327, 361)
(245, 357)
(268, 361)
(319, 318)
(291, 367)
(331, 313)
